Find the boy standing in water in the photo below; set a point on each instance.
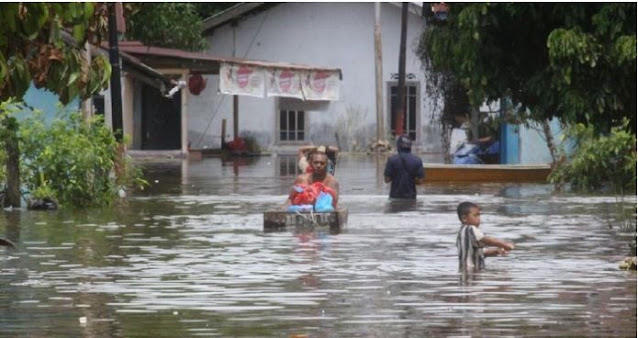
(470, 241)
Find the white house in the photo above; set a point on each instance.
(331, 35)
(301, 37)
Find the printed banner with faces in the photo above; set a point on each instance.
(321, 85)
(241, 79)
(283, 82)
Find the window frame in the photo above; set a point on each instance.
(290, 105)
(417, 112)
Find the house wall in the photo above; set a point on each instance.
(331, 35)
(534, 149)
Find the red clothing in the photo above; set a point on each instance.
(307, 194)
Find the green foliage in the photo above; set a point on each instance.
(166, 24)
(71, 160)
(572, 61)
(3, 168)
(599, 159)
(32, 48)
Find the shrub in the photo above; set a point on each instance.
(72, 160)
(599, 160)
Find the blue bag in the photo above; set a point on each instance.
(324, 202)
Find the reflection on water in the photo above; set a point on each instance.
(189, 257)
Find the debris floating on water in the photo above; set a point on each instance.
(628, 264)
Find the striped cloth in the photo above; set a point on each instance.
(470, 248)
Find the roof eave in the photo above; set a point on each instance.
(229, 14)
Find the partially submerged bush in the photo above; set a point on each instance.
(599, 160)
(71, 160)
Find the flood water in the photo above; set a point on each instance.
(188, 257)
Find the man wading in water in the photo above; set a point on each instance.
(404, 170)
(308, 185)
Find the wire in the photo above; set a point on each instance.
(223, 97)
(256, 34)
(211, 121)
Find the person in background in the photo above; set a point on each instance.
(404, 171)
(486, 148)
(470, 241)
(330, 151)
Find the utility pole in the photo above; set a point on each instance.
(400, 110)
(116, 85)
(378, 73)
(235, 97)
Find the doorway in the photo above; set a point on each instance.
(161, 120)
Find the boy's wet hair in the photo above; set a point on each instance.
(464, 208)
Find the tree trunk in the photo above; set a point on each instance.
(551, 144)
(12, 198)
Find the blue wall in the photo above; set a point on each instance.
(48, 102)
(534, 149)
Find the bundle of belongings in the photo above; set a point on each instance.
(315, 197)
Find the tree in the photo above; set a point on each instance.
(170, 24)
(41, 43)
(571, 61)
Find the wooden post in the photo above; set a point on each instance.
(116, 84)
(87, 110)
(235, 97)
(235, 116)
(223, 133)
(400, 116)
(378, 72)
(12, 150)
(474, 123)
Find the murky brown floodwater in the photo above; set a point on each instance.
(189, 257)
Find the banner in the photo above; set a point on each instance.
(283, 82)
(321, 85)
(241, 79)
(237, 78)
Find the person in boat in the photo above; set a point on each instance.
(404, 170)
(486, 147)
(304, 152)
(471, 242)
(315, 184)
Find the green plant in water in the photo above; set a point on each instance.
(71, 161)
(599, 160)
(129, 175)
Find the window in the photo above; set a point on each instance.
(291, 125)
(288, 165)
(411, 107)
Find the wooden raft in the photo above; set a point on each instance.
(281, 219)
